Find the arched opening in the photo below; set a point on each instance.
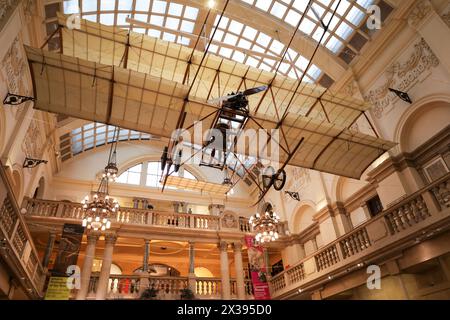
(423, 124)
(303, 218)
(202, 272)
(39, 192)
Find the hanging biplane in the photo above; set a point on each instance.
(113, 76)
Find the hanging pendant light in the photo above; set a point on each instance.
(111, 169)
(265, 225)
(99, 209)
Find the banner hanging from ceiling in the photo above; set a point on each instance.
(258, 270)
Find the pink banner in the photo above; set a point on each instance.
(258, 270)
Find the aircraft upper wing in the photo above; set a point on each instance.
(142, 102)
(217, 76)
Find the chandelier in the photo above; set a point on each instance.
(97, 212)
(265, 226)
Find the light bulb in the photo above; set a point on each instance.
(103, 228)
(84, 224)
(89, 219)
(211, 4)
(108, 224)
(97, 219)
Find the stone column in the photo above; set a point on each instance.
(89, 256)
(103, 281)
(144, 279)
(191, 276)
(146, 255)
(224, 270)
(49, 249)
(240, 283)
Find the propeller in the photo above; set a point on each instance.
(247, 92)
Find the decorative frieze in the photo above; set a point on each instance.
(402, 76)
(32, 145)
(300, 178)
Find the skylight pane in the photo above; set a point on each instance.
(278, 10)
(89, 6)
(190, 13)
(142, 5)
(107, 5)
(71, 6)
(187, 26)
(175, 9)
(159, 6)
(172, 23)
(125, 5)
(107, 18)
(263, 4)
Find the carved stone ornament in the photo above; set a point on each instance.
(299, 178)
(229, 221)
(420, 11)
(32, 145)
(402, 76)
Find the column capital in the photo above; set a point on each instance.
(92, 237)
(237, 246)
(191, 244)
(223, 246)
(110, 238)
(422, 9)
(147, 241)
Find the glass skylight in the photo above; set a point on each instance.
(348, 18)
(244, 44)
(93, 135)
(165, 15)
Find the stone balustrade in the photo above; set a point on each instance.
(426, 207)
(131, 287)
(131, 216)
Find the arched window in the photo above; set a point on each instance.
(149, 174)
(132, 175)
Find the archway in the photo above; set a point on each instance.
(39, 192)
(303, 218)
(421, 124)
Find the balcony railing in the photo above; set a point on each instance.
(426, 207)
(17, 247)
(132, 286)
(70, 210)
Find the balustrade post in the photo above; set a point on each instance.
(86, 272)
(431, 202)
(60, 210)
(103, 280)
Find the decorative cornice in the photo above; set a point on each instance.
(324, 213)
